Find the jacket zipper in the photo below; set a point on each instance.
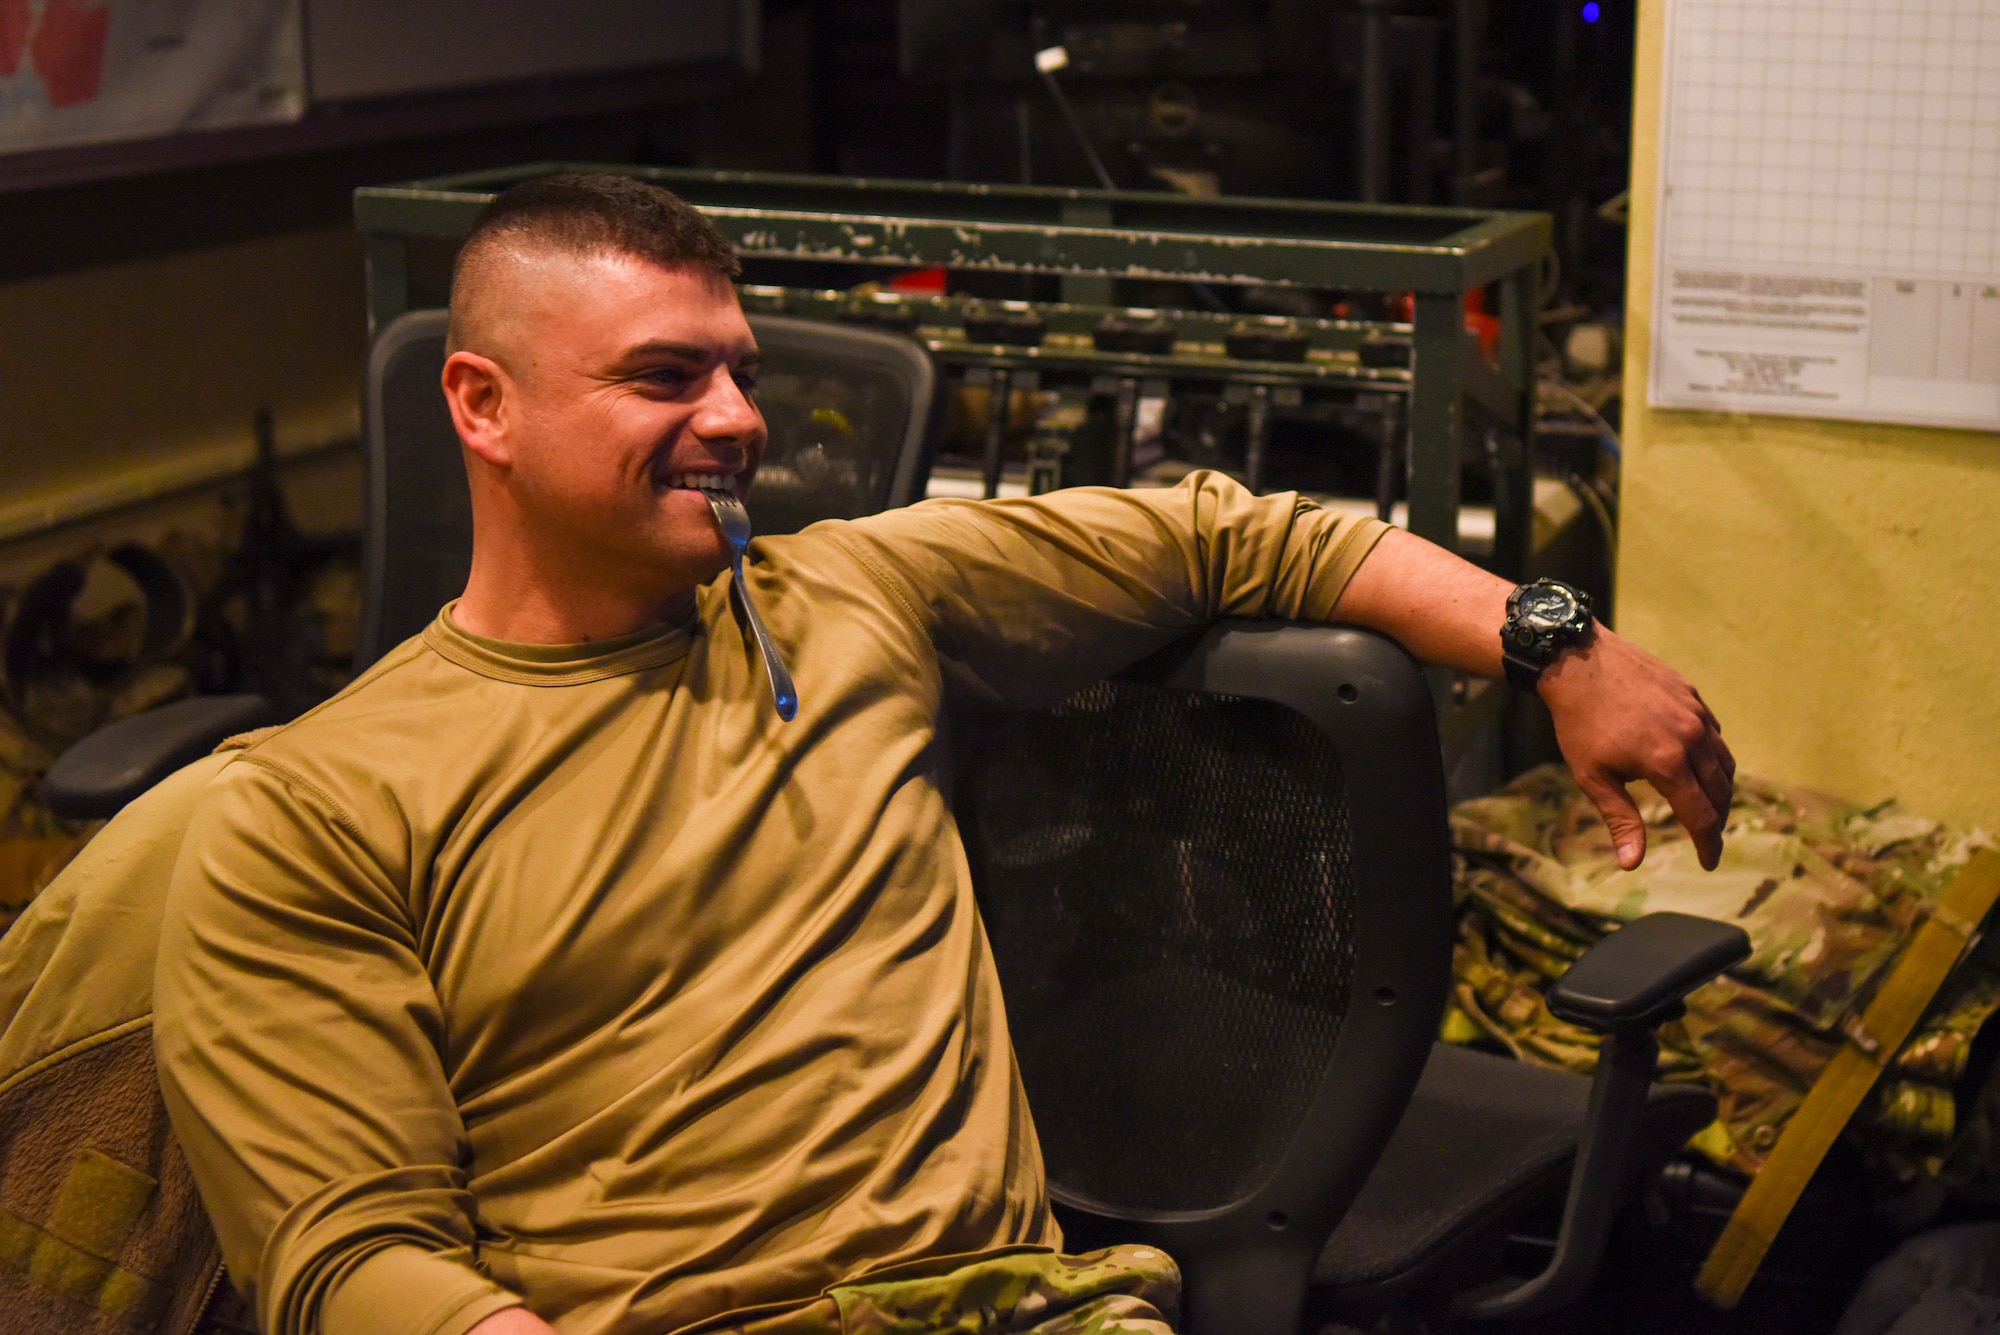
(215, 1279)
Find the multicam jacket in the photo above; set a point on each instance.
(1828, 893)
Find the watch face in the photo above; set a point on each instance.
(1546, 608)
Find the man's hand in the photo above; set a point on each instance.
(513, 1321)
(1621, 714)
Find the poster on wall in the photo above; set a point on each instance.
(93, 71)
(1829, 238)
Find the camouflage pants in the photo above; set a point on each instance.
(1118, 1291)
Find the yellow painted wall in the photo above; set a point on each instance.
(1833, 588)
(134, 379)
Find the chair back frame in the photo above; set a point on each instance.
(1247, 1264)
(377, 633)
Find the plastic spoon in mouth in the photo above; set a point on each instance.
(734, 521)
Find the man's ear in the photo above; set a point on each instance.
(479, 394)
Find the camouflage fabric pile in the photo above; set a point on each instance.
(1828, 892)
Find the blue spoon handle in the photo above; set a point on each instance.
(783, 693)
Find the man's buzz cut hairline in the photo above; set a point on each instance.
(588, 215)
(598, 211)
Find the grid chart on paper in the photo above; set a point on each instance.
(1842, 156)
(1836, 134)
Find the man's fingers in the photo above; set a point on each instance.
(1717, 784)
(1723, 755)
(1685, 794)
(1621, 817)
(1714, 727)
(1706, 712)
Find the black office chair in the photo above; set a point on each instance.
(1218, 891)
(850, 411)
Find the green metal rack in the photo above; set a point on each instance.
(1092, 239)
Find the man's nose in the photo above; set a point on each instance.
(727, 412)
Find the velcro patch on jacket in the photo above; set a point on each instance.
(75, 1251)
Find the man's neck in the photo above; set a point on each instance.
(525, 607)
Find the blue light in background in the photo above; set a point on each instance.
(1592, 11)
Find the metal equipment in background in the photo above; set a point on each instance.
(1520, 104)
(1262, 97)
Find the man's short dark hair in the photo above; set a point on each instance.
(588, 214)
(594, 214)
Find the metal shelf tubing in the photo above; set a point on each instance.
(1333, 346)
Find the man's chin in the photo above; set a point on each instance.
(703, 566)
(676, 560)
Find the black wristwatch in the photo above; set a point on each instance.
(1543, 619)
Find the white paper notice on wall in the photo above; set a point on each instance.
(88, 71)
(1829, 238)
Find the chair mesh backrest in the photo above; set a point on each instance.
(847, 410)
(840, 404)
(419, 514)
(1166, 880)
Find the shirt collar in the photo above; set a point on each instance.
(561, 664)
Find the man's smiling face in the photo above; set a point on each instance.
(622, 383)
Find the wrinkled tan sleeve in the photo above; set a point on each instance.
(1029, 600)
(299, 1044)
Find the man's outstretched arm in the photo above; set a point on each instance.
(1620, 713)
(1028, 600)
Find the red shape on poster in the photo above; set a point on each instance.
(69, 50)
(16, 16)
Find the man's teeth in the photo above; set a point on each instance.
(703, 481)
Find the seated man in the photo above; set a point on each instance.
(545, 978)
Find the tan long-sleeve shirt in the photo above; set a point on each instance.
(571, 975)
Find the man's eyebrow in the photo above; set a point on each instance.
(691, 352)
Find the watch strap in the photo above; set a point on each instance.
(1522, 675)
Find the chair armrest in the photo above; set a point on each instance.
(1623, 987)
(100, 774)
(1641, 972)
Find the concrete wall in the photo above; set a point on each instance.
(1833, 588)
(133, 380)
